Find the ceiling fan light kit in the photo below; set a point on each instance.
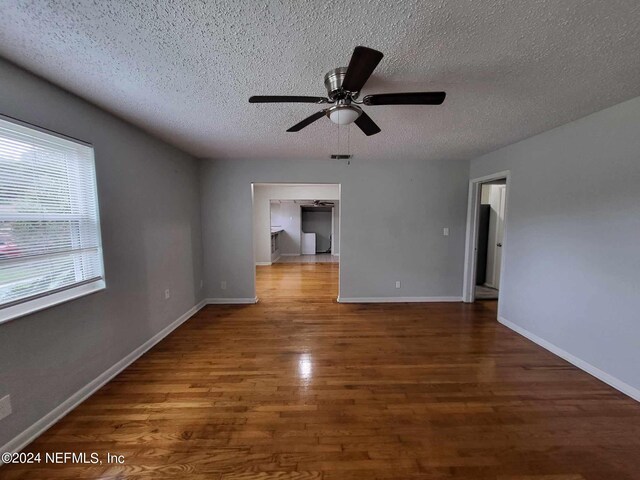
(343, 114)
(343, 86)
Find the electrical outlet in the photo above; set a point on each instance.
(223, 284)
(5, 406)
(167, 294)
(445, 231)
(398, 284)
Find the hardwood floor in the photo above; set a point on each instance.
(317, 258)
(300, 387)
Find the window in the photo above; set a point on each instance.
(50, 248)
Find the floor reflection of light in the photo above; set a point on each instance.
(305, 367)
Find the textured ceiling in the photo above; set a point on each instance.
(184, 70)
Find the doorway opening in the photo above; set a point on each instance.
(305, 231)
(296, 229)
(485, 238)
(489, 240)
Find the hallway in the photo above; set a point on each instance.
(317, 258)
(307, 282)
(301, 387)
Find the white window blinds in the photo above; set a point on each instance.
(49, 227)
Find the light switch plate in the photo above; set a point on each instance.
(445, 231)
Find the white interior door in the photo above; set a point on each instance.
(499, 235)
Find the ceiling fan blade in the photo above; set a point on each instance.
(409, 98)
(286, 99)
(367, 125)
(362, 64)
(307, 121)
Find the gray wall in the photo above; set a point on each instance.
(392, 212)
(290, 222)
(287, 217)
(150, 218)
(276, 215)
(572, 246)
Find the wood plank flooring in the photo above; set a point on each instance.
(300, 387)
(317, 258)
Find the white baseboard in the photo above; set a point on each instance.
(289, 254)
(231, 301)
(263, 264)
(335, 254)
(398, 299)
(39, 427)
(581, 364)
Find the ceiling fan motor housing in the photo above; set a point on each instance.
(333, 82)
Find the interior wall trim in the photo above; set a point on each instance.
(398, 299)
(231, 301)
(39, 427)
(578, 362)
(471, 236)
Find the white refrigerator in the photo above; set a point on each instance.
(308, 243)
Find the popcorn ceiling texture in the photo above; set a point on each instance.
(184, 70)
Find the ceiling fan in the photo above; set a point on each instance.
(343, 86)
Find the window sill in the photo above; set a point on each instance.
(37, 304)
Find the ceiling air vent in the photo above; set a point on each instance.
(338, 156)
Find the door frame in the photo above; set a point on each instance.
(254, 184)
(333, 228)
(471, 240)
